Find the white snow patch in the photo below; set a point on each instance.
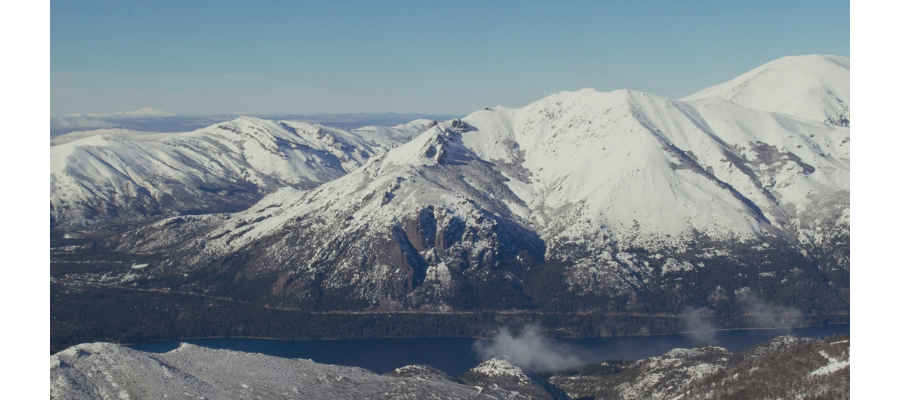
(500, 367)
(831, 368)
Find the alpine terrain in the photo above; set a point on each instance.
(785, 367)
(123, 176)
(734, 201)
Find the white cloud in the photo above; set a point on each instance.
(530, 349)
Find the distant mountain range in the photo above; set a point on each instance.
(121, 175)
(734, 199)
(152, 120)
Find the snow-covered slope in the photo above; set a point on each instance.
(399, 133)
(662, 377)
(671, 166)
(498, 377)
(628, 191)
(110, 371)
(786, 367)
(117, 174)
(419, 213)
(814, 86)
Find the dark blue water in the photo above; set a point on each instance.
(457, 355)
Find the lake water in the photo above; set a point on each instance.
(457, 355)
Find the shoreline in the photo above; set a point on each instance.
(468, 337)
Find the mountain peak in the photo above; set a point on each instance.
(498, 375)
(625, 191)
(812, 86)
(499, 366)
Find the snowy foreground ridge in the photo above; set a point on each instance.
(110, 371)
(624, 189)
(785, 367)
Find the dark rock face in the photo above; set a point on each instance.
(424, 259)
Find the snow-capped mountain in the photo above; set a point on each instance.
(123, 175)
(814, 86)
(615, 195)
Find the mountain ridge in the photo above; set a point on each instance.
(629, 191)
(813, 86)
(784, 367)
(610, 204)
(115, 174)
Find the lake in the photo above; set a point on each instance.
(457, 355)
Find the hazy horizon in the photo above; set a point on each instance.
(298, 58)
(60, 125)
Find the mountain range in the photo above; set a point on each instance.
(124, 175)
(735, 199)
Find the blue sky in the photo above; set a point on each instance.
(295, 57)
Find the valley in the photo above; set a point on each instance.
(90, 282)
